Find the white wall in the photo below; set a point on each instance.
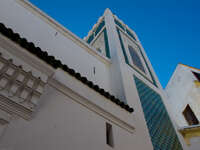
(36, 30)
(181, 91)
(61, 123)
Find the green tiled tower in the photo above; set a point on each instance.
(129, 59)
(161, 130)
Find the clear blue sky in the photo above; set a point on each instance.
(169, 30)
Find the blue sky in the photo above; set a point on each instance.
(168, 30)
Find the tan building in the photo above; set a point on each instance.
(60, 92)
(183, 92)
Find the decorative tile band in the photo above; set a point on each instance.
(161, 130)
(106, 43)
(123, 48)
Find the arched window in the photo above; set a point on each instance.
(135, 58)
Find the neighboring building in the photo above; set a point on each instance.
(183, 92)
(58, 91)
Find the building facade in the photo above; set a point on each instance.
(58, 91)
(184, 102)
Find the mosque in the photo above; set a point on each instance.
(58, 91)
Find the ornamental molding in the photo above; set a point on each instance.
(20, 91)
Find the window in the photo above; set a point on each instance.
(197, 75)
(109, 135)
(190, 116)
(135, 58)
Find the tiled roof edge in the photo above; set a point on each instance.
(55, 63)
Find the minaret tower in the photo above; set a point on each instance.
(134, 81)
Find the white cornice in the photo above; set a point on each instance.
(62, 30)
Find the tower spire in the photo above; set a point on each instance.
(107, 10)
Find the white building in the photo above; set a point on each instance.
(183, 92)
(58, 91)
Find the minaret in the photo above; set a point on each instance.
(133, 80)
